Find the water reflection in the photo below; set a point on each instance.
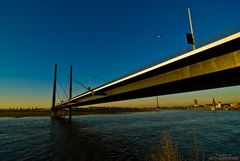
(71, 141)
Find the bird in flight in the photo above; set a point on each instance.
(158, 37)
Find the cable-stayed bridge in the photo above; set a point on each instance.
(216, 64)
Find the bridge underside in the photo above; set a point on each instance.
(209, 81)
(220, 71)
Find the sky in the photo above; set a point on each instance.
(103, 40)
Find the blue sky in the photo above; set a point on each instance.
(104, 38)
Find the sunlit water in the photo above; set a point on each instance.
(118, 137)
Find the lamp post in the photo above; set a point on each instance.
(190, 37)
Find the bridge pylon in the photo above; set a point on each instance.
(70, 93)
(53, 108)
(60, 112)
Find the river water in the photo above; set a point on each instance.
(120, 137)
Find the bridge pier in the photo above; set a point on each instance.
(62, 113)
(58, 113)
(70, 114)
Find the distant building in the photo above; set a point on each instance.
(219, 105)
(213, 105)
(234, 105)
(225, 105)
(195, 103)
(214, 102)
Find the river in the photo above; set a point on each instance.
(120, 137)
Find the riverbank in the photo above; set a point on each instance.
(77, 111)
(89, 111)
(24, 114)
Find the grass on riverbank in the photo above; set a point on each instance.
(167, 151)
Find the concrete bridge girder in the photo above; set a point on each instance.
(205, 67)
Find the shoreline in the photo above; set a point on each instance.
(95, 110)
(19, 114)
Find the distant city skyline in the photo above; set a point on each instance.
(103, 40)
